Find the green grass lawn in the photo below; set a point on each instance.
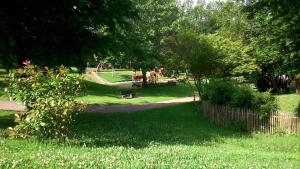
(172, 137)
(102, 94)
(288, 102)
(117, 76)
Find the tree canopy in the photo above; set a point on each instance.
(60, 31)
(253, 37)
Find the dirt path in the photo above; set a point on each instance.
(7, 105)
(137, 107)
(118, 85)
(97, 108)
(97, 78)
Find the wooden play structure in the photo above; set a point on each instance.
(137, 78)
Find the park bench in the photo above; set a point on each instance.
(127, 94)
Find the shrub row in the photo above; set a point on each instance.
(222, 92)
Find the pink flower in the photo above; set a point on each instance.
(46, 68)
(26, 62)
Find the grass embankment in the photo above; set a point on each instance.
(116, 76)
(102, 94)
(172, 137)
(288, 102)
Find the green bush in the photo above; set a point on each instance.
(242, 97)
(48, 97)
(218, 92)
(236, 95)
(264, 103)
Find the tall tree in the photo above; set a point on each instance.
(275, 36)
(155, 24)
(198, 54)
(277, 32)
(59, 31)
(201, 17)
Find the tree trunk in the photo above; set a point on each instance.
(145, 84)
(297, 81)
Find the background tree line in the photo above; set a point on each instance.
(251, 39)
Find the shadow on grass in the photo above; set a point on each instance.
(172, 125)
(6, 119)
(180, 90)
(96, 89)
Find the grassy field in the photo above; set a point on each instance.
(172, 137)
(102, 94)
(288, 102)
(117, 76)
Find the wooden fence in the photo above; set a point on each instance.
(275, 122)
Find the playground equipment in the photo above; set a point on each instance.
(137, 78)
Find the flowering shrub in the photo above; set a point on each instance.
(49, 100)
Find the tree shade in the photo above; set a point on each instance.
(60, 31)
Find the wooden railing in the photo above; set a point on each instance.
(274, 122)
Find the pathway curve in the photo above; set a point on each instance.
(8, 105)
(118, 85)
(137, 107)
(97, 78)
(98, 108)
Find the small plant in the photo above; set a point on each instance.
(49, 100)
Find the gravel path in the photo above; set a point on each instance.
(7, 105)
(137, 107)
(98, 108)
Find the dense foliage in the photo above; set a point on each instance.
(195, 54)
(67, 32)
(277, 32)
(244, 96)
(48, 97)
(144, 42)
(257, 39)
